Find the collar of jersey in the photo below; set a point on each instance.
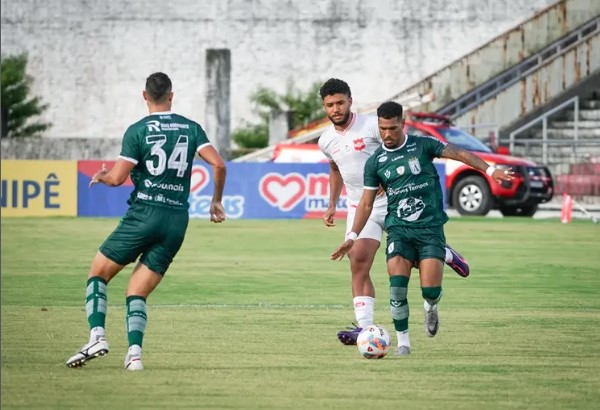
(396, 149)
(352, 121)
(162, 113)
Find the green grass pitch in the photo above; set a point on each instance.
(247, 315)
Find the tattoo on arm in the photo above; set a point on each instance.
(462, 155)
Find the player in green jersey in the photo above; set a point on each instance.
(157, 152)
(415, 219)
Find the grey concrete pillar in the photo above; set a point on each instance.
(217, 118)
(279, 125)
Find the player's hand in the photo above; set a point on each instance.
(97, 175)
(328, 217)
(217, 212)
(500, 175)
(342, 250)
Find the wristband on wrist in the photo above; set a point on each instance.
(352, 236)
(490, 170)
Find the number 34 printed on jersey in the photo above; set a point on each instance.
(177, 160)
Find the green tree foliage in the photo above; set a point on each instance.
(306, 106)
(19, 109)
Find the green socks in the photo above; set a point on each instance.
(95, 302)
(136, 319)
(398, 302)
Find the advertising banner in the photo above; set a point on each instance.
(39, 188)
(100, 200)
(253, 191)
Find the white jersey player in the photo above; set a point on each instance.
(348, 143)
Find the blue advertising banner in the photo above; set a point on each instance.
(253, 191)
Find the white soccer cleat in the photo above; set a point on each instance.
(402, 351)
(133, 362)
(88, 352)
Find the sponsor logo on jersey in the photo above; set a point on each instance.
(144, 196)
(167, 187)
(400, 170)
(410, 209)
(173, 126)
(415, 166)
(359, 144)
(382, 159)
(387, 173)
(153, 125)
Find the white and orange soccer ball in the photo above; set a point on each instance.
(373, 342)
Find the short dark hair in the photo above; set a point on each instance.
(334, 86)
(389, 110)
(158, 86)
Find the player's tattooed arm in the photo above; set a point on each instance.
(459, 154)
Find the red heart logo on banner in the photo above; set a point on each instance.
(283, 192)
(199, 179)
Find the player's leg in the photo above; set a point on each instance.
(142, 282)
(120, 248)
(431, 255)
(361, 258)
(456, 261)
(400, 256)
(101, 272)
(170, 226)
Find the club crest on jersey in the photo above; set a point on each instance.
(387, 173)
(415, 166)
(400, 170)
(359, 144)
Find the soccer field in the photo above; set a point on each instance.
(247, 316)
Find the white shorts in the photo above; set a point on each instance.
(374, 227)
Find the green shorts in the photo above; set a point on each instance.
(416, 244)
(155, 233)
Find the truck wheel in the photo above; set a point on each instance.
(524, 210)
(472, 196)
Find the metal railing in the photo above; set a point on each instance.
(544, 120)
(504, 80)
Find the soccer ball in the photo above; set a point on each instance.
(373, 342)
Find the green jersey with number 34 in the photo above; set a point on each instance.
(162, 147)
(410, 181)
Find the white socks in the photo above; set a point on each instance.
(364, 310)
(403, 339)
(96, 333)
(448, 257)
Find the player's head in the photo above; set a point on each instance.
(391, 124)
(158, 89)
(337, 100)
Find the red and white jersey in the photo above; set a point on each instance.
(350, 149)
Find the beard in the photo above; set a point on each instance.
(341, 121)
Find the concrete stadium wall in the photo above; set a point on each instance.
(90, 59)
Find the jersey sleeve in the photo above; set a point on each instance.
(201, 138)
(371, 179)
(433, 146)
(322, 146)
(130, 147)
